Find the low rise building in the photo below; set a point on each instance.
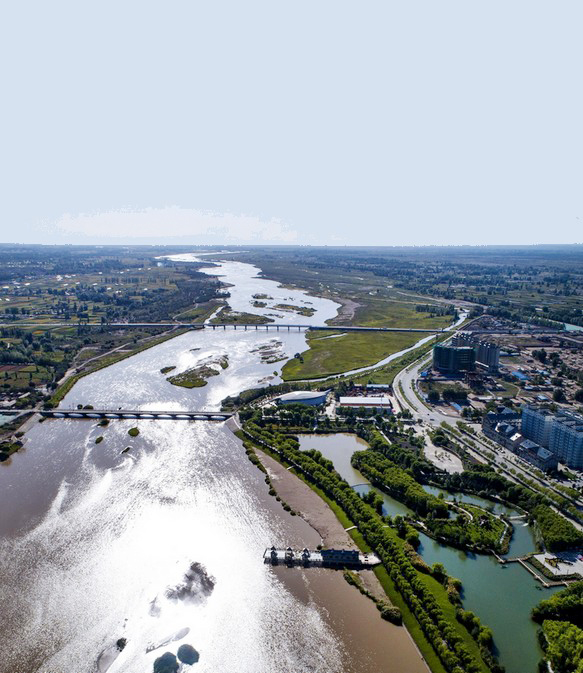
(381, 403)
(313, 398)
(538, 456)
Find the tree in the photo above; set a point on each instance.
(579, 395)
(433, 396)
(559, 395)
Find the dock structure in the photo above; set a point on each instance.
(136, 413)
(324, 558)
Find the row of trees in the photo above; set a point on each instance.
(398, 483)
(562, 637)
(443, 636)
(557, 532)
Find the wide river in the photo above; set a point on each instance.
(162, 544)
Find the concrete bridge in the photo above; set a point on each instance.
(224, 326)
(135, 414)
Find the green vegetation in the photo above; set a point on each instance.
(8, 448)
(133, 432)
(196, 377)
(229, 317)
(556, 531)
(301, 310)
(387, 476)
(425, 597)
(473, 527)
(166, 370)
(389, 612)
(343, 352)
(566, 605)
(562, 637)
(99, 439)
(564, 647)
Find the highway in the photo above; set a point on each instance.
(224, 326)
(404, 390)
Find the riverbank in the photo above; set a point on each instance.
(395, 644)
(110, 359)
(326, 356)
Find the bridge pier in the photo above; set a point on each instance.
(256, 328)
(278, 328)
(224, 327)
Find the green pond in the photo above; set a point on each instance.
(502, 596)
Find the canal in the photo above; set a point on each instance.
(501, 595)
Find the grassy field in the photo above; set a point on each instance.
(327, 356)
(387, 312)
(199, 313)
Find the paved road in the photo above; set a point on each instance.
(244, 326)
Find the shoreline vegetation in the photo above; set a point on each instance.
(428, 599)
(196, 377)
(344, 352)
(229, 317)
(561, 638)
(108, 360)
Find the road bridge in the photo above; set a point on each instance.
(224, 326)
(136, 414)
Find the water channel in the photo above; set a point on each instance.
(502, 596)
(162, 544)
(159, 538)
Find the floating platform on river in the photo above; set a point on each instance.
(324, 558)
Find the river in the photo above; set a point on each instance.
(502, 596)
(162, 544)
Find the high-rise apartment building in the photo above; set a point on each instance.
(487, 353)
(566, 440)
(561, 433)
(454, 359)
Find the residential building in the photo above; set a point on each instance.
(453, 360)
(487, 353)
(566, 438)
(536, 424)
(561, 433)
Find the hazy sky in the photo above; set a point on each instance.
(388, 123)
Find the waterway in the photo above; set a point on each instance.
(502, 596)
(97, 543)
(162, 543)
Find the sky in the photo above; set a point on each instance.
(316, 123)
